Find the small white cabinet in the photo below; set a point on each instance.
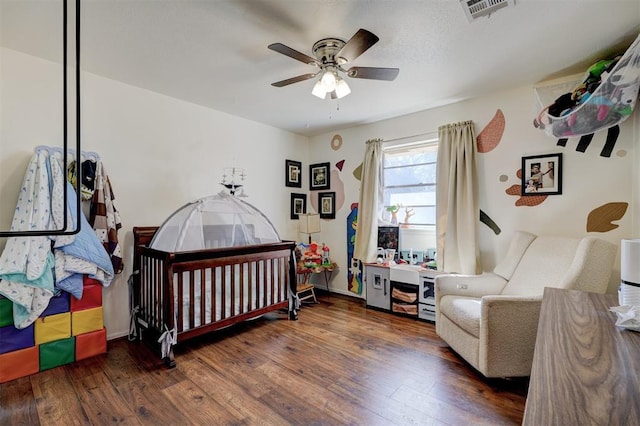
(378, 286)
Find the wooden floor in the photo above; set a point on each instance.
(340, 363)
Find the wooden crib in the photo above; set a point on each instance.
(196, 292)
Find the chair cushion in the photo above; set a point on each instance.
(463, 311)
(544, 264)
(519, 244)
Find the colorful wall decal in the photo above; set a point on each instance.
(491, 135)
(600, 219)
(354, 273)
(357, 172)
(336, 142)
(340, 165)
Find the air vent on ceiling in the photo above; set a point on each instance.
(477, 8)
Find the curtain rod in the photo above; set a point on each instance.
(409, 139)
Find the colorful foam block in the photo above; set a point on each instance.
(57, 305)
(52, 327)
(91, 296)
(91, 344)
(56, 353)
(6, 311)
(12, 339)
(20, 363)
(86, 321)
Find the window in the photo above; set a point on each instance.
(409, 170)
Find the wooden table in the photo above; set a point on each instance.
(326, 269)
(586, 370)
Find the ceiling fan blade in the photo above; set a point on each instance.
(372, 73)
(292, 80)
(292, 53)
(357, 45)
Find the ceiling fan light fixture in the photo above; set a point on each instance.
(330, 54)
(328, 80)
(342, 88)
(319, 90)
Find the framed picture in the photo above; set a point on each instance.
(298, 205)
(293, 173)
(319, 176)
(542, 174)
(327, 204)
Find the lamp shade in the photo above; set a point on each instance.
(342, 89)
(318, 90)
(309, 223)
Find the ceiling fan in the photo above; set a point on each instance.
(331, 54)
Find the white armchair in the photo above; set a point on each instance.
(491, 320)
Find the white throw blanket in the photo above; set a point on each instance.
(26, 262)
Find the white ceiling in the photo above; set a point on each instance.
(214, 53)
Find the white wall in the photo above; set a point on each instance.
(159, 153)
(589, 180)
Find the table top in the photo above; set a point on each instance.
(317, 268)
(586, 370)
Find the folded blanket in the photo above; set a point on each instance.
(84, 255)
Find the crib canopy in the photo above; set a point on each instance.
(216, 221)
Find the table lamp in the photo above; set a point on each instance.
(309, 224)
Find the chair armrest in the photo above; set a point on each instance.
(469, 285)
(508, 330)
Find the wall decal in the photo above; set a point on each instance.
(584, 141)
(622, 153)
(484, 218)
(491, 135)
(354, 273)
(357, 173)
(600, 219)
(504, 178)
(336, 142)
(340, 165)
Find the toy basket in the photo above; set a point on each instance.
(612, 101)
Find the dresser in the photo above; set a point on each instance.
(586, 370)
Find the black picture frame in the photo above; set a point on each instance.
(542, 175)
(298, 205)
(293, 173)
(319, 176)
(327, 205)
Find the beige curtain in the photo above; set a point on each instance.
(457, 209)
(371, 187)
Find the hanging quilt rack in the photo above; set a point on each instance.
(64, 229)
(603, 99)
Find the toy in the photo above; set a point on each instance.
(326, 259)
(394, 213)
